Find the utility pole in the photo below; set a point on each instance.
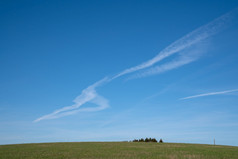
(214, 142)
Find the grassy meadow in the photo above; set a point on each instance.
(117, 150)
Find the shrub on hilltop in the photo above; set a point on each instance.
(146, 140)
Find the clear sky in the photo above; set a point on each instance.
(119, 70)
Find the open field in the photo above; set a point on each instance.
(114, 150)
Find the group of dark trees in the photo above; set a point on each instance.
(147, 140)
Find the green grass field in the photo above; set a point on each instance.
(114, 150)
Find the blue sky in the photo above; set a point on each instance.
(115, 71)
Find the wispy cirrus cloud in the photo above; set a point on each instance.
(192, 38)
(178, 47)
(88, 95)
(164, 67)
(209, 94)
(186, 56)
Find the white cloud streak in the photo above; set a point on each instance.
(186, 56)
(186, 41)
(88, 95)
(165, 67)
(209, 94)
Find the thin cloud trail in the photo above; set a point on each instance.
(209, 94)
(163, 68)
(186, 41)
(187, 56)
(88, 95)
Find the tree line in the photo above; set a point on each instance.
(147, 140)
